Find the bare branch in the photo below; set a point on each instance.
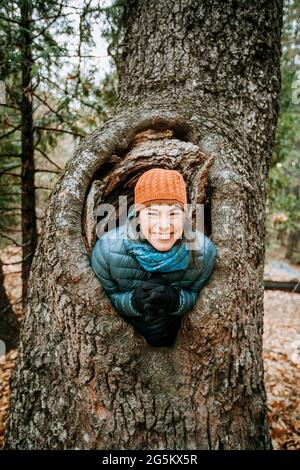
(17, 262)
(46, 18)
(46, 171)
(47, 158)
(12, 272)
(9, 20)
(10, 106)
(12, 303)
(43, 187)
(10, 174)
(58, 130)
(43, 30)
(13, 230)
(9, 155)
(61, 89)
(49, 107)
(19, 214)
(10, 208)
(10, 194)
(2, 172)
(14, 241)
(10, 132)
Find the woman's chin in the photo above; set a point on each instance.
(162, 245)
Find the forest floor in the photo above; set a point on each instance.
(281, 349)
(281, 352)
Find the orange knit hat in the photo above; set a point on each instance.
(160, 186)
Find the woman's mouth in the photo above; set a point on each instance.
(163, 236)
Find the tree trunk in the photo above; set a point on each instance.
(209, 72)
(9, 326)
(293, 244)
(29, 227)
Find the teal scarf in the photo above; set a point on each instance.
(178, 257)
(151, 259)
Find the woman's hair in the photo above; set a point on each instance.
(135, 234)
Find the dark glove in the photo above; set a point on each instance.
(163, 297)
(142, 293)
(154, 298)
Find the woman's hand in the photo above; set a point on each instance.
(142, 293)
(164, 298)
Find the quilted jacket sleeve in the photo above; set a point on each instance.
(188, 297)
(120, 300)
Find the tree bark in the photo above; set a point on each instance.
(208, 71)
(29, 226)
(293, 243)
(9, 326)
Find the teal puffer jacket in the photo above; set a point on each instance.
(120, 273)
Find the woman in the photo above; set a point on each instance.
(152, 277)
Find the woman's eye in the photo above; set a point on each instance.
(172, 214)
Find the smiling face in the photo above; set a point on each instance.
(162, 224)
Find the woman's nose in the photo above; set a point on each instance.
(164, 222)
